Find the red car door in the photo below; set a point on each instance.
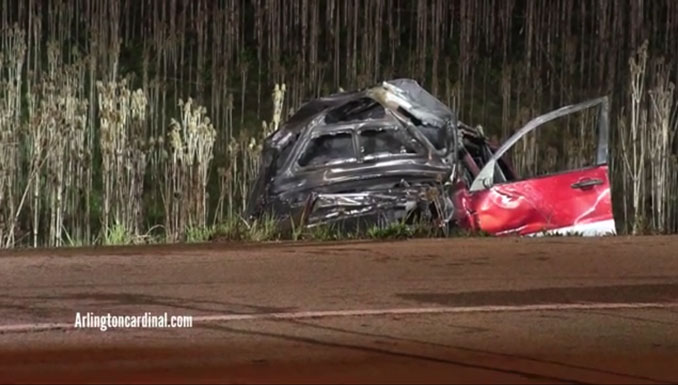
(574, 201)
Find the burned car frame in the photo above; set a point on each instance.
(394, 152)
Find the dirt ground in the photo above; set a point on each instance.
(511, 310)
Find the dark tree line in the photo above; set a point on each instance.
(497, 62)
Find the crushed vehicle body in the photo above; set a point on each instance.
(374, 155)
(394, 152)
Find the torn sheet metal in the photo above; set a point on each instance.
(372, 207)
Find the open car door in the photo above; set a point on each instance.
(572, 201)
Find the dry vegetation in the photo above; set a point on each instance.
(97, 146)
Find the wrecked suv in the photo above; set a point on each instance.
(393, 152)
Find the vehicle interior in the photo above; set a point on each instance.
(475, 153)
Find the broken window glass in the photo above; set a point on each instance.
(327, 149)
(376, 142)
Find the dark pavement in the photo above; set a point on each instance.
(460, 310)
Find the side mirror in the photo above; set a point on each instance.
(484, 179)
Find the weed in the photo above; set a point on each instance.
(467, 233)
(263, 229)
(199, 234)
(423, 228)
(395, 230)
(117, 234)
(325, 232)
(233, 229)
(296, 230)
(551, 233)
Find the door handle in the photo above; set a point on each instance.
(587, 183)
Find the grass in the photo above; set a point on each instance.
(264, 229)
(233, 229)
(326, 232)
(118, 235)
(396, 230)
(296, 230)
(238, 229)
(199, 234)
(267, 229)
(549, 233)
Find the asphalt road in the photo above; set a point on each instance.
(459, 310)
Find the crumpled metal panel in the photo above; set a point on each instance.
(542, 205)
(387, 205)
